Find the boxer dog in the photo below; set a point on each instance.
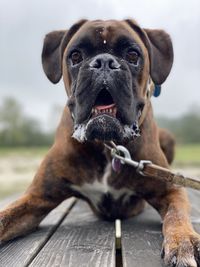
(108, 68)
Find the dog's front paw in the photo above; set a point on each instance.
(181, 250)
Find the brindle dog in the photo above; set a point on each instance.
(108, 68)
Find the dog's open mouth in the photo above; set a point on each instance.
(104, 122)
(104, 104)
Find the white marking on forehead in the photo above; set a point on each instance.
(104, 41)
(94, 191)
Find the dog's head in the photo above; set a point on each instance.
(106, 67)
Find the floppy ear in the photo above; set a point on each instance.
(159, 46)
(52, 56)
(161, 54)
(53, 48)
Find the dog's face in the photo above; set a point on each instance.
(106, 66)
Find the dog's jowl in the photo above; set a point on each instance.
(110, 69)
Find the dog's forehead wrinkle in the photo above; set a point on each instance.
(128, 40)
(106, 33)
(81, 43)
(106, 29)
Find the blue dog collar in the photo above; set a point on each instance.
(157, 90)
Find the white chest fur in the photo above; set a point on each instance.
(95, 190)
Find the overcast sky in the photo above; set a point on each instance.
(23, 25)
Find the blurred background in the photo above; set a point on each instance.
(30, 106)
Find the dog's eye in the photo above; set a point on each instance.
(76, 57)
(132, 56)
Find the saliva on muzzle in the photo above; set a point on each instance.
(105, 128)
(104, 121)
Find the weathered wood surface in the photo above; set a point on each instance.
(194, 197)
(142, 238)
(73, 236)
(21, 251)
(81, 240)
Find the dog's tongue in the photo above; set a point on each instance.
(105, 106)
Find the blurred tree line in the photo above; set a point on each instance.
(18, 129)
(186, 128)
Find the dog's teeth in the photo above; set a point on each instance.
(111, 111)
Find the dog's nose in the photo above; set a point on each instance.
(105, 61)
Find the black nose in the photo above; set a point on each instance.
(104, 61)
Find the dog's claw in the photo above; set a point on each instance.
(162, 253)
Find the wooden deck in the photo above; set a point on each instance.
(72, 236)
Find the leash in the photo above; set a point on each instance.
(120, 155)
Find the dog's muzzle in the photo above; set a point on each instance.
(104, 122)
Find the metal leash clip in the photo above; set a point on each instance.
(121, 151)
(141, 165)
(121, 155)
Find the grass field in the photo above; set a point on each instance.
(23, 151)
(188, 154)
(18, 165)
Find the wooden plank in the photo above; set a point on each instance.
(142, 238)
(19, 252)
(81, 240)
(194, 197)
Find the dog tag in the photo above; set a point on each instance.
(157, 90)
(116, 164)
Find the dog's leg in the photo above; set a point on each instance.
(23, 216)
(47, 191)
(181, 246)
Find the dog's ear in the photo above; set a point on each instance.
(160, 49)
(161, 54)
(53, 48)
(51, 55)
